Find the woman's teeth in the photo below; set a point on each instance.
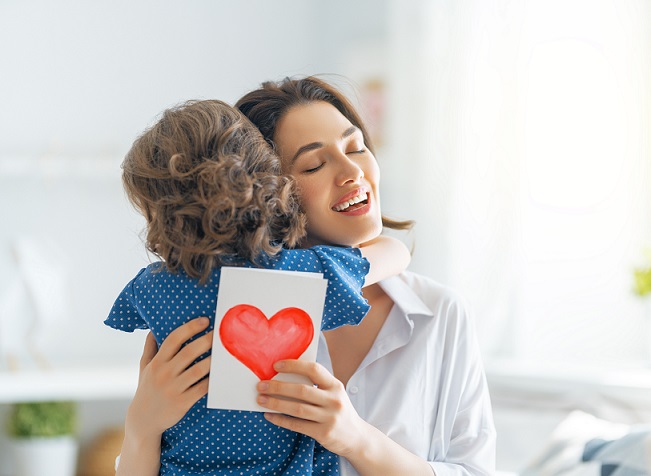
(343, 206)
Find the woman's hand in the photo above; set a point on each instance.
(326, 414)
(323, 412)
(168, 385)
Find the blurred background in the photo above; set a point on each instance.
(516, 134)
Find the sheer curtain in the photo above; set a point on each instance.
(518, 138)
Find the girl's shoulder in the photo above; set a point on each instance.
(329, 250)
(156, 274)
(152, 272)
(320, 257)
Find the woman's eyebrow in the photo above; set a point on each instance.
(351, 130)
(317, 145)
(306, 148)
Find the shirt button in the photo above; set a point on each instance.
(353, 390)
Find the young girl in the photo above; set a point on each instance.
(212, 193)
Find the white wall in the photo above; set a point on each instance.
(78, 82)
(81, 79)
(85, 77)
(529, 133)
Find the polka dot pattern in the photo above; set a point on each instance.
(228, 442)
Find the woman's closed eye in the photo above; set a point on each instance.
(314, 169)
(356, 145)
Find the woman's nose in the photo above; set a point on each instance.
(350, 171)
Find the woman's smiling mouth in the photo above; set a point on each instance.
(355, 202)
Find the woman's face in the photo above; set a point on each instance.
(332, 167)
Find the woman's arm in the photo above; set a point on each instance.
(168, 386)
(326, 414)
(388, 256)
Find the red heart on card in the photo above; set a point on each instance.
(259, 342)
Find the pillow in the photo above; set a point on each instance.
(583, 445)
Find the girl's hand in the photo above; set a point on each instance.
(168, 384)
(323, 412)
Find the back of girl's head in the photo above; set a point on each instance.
(210, 188)
(266, 106)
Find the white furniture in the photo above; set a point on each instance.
(530, 400)
(82, 383)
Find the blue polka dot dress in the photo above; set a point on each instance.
(229, 442)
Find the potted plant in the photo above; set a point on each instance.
(642, 287)
(642, 278)
(43, 438)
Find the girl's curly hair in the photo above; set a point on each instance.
(211, 190)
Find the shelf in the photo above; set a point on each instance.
(119, 382)
(631, 383)
(90, 383)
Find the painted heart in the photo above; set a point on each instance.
(258, 342)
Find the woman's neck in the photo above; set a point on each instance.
(348, 345)
(373, 292)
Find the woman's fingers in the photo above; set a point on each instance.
(179, 336)
(192, 351)
(317, 373)
(173, 369)
(295, 391)
(194, 373)
(302, 401)
(197, 391)
(305, 427)
(149, 351)
(301, 410)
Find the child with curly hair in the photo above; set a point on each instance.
(212, 193)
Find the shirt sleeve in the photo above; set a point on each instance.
(468, 412)
(124, 315)
(345, 269)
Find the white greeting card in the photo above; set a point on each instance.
(262, 316)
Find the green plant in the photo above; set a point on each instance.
(642, 280)
(42, 419)
(642, 277)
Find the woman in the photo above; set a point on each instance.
(404, 392)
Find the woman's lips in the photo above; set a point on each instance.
(356, 203)
(352, 201)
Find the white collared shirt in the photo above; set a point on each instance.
(423, 383)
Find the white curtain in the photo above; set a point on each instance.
(518, 138)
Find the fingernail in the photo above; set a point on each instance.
(262, 399)
(279, 365)
(262, 386)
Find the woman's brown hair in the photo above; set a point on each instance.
(268, 104)
(211, 189)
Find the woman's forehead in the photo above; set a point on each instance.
(314, 121)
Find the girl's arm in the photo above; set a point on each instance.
(325, 413)
(388, 256)
(168, 386)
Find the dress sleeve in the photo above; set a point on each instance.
(124, 315)
(345, 270)
(467, 415)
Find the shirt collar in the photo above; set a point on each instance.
(405, 297)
